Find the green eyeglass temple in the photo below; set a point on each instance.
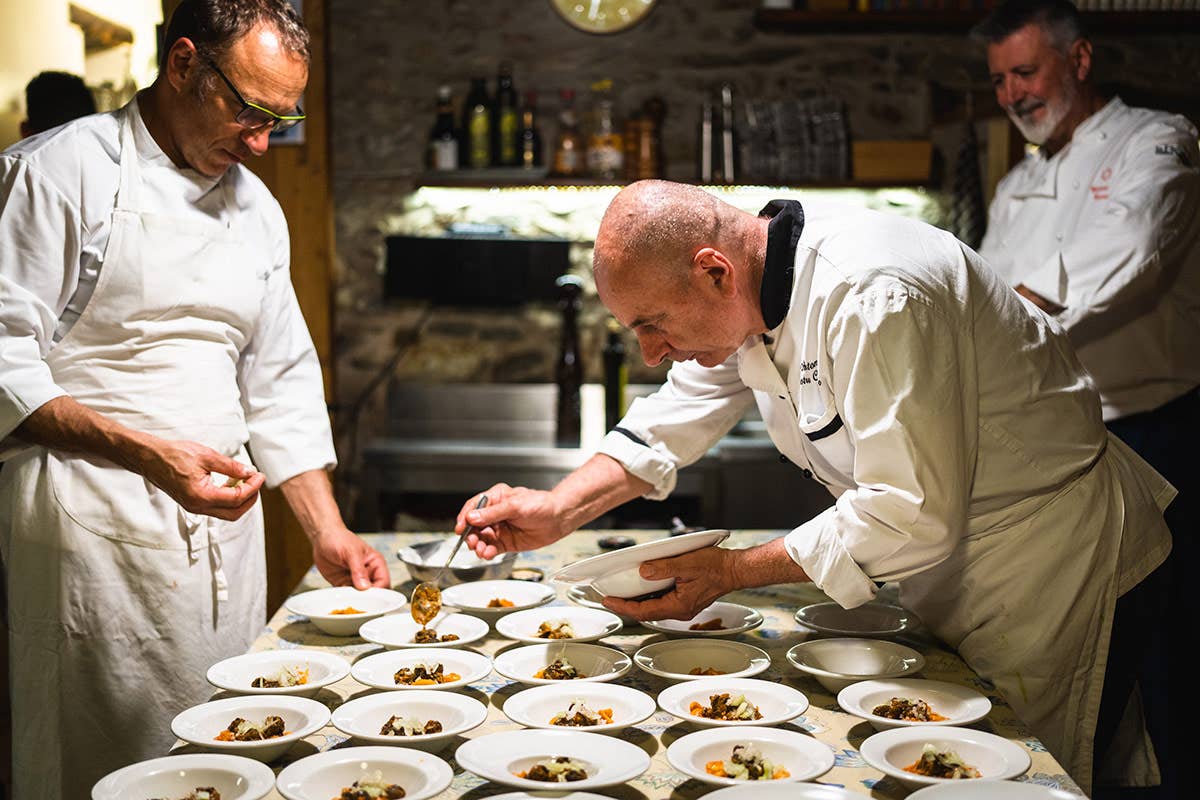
(254, 117)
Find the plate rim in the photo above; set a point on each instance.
(716, 723)
(466, 681)
(905, 623)
(479, 634)
(392, 742)
(404, 753)
(653, 705)
(844, 675)
(609, 630)
(756, 616)
(331, 658)
(868, 752)
(900, 723)
(550, 595)
(265, 773)
(540, 681)
(719, 733)
(562, 574)
(523, 783)
(678, 676)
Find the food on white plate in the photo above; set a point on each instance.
(500, 602)
(347, 610)
(407, 726)
(746, 763)
(373, 788)
(425, 675)
(430, 636)
(704, 671)
(935, 763)
(578, 715)
(560, 629)
(723, 707)
(560, 670)
(558, 769)
(281, 678)
(241, 730)
(199, 793)
(908, 710)
(712, 625)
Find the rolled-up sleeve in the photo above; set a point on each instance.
(676, 425)
(907, 394)
(280, 380)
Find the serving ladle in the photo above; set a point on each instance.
(427, 597)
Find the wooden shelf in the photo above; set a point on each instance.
(959, 22)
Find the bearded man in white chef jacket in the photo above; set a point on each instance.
(951, 421)
(152, 345)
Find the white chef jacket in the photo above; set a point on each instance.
(57, 193)
(1109, 228)
(961, 439)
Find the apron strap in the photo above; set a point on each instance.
(129, 190)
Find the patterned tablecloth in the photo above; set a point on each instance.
(779, 631)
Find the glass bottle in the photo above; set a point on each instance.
(616, 375)
(569, 148)
(442, 152)
(605, 150)
(531, 139)
(568, 373)
(477, 126)
(506, 119)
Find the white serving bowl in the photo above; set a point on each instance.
(589, 624)
(534, 708)
(616, 574)
(995, 757)
(802, 756)
(364, 717)
(869, 619)
(777, 703)
(588, 597)
(379, 671)
(237, 673)
(396, 631)
(598, 663)
(235, 777)
(734, 617)
(425, 561)
(778, 790)
(961, 705)
(499, 756)
(473, 598)
(837, 663)
(991, 790)
(322, 776)
(317, 605)
(676, 658)
(201, 724)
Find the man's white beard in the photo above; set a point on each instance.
(1057, 110)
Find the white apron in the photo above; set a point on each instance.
(118, 599)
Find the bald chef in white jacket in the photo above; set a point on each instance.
(959, 435)
(152, 345)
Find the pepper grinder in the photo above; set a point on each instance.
(569, 370)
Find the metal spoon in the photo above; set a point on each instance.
(427, 596)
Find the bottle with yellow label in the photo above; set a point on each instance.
(477, 126)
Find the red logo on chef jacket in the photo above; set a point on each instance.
(1100, 190)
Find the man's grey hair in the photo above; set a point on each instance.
(1059, 19)
(214, 25)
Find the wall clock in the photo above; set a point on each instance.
(603, 16)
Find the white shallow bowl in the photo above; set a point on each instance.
(555, 795)
(802, 756)
(200, 724)
(237, 673)
(396, 631)
(379, 671)
(598, 663)
(362, 718)
(837, 663)
(499, 756)
(676, 658)
(961, 705)
(235, 777)
(776, 702)
(778, 790)
(473, 598)
(589, 624)
(588, 597)
(322, 776)
(735, 618)
(615, 574)
(317, 605)
(996, 758)
(869, 619)
(534, 708)
(991, 790)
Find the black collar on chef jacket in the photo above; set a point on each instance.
(783, 234)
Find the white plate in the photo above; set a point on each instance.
(589, 624)
(318, 604)
(995, 757)
(869, 619)
(777, 703)
(837, 663)
(991, 790)
(735, 618)
(534, 708)
(237, 673)
(200, 724)
(473, 598)
(961, 705)
(555, 795)
(598, 663)
(615, 574)
(588, 597)
(379, 670)
(499, 756)
(802, 756)
(322, 776)
(364, 717)
(676, 658)
(396, 631)
(772, 790)
(235, 777)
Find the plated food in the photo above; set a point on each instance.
(423, 719)
(923, 756)
(341, 610)
(256, 726)
(913, 702)
(188, 777)
(719, 619)
(325, 775)
(598, 707)
(557, 769)
(732, 702)
(837, 663)
(746, 763)
(532, 759)
(430, 636)
(202, 793)
(446, 629)
(283, 678)
(559, 670)
(692, 659)
(372, 788)
(907, 709)
(476, 597)
(500, 602)
(725, 708)
(407, 726)
(425, 674)
(750, 757)
(242, 730)
(942, 762)
(556, 662)
(560, 629)
(271, 672)
(578, 715)
(427, 668)
(559, 623)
